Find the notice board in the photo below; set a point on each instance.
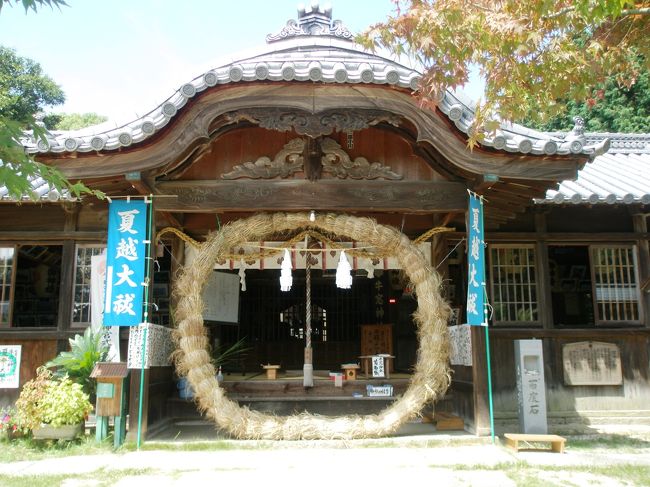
(221, 298)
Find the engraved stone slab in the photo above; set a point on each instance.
(531, 386)
(592, 363)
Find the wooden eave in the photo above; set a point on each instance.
(194, 124)
(519, 177)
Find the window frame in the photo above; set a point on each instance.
(598, 320)
(12, 286)
(80, 324)
(14, 274)
(531, 246)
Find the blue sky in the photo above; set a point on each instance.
(122, 58)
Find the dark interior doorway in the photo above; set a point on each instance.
(571, 286)
(272, 321)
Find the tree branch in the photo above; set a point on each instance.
(635, 11)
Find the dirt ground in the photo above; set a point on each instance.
(443, 459)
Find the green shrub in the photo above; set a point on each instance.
(47, 400)
(85, 351)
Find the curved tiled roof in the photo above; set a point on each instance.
(312, 49)
(620, 176)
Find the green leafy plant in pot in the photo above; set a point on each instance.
(77, 364)
(53, 408)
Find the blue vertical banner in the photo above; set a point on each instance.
(476, 309)
(125, 262)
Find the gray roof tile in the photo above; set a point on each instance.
(620, 176)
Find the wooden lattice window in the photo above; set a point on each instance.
(6, 279)
(81, 306)
(513, 284)
(292, 318)
(615, 284)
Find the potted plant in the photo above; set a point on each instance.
(53, 408)
(77, 364)
(11, 425)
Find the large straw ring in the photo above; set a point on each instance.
(430, 377)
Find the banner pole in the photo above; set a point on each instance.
(147, 280)
(144, 348)
(489, 378)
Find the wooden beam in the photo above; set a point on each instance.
(415, 197)
(495, 236)
(143, 187)
(27, 236)
(506, 333)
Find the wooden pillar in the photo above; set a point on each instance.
(544, 296)
(640, 221)
(479, 379)
(66, 292)
(134, 402)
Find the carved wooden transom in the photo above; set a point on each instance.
(312, 157)
(313, 124)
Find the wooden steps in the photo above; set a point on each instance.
(522, 441)
(445, 421)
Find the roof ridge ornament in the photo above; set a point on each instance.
(312, 21)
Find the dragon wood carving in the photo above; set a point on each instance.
(337, 162)
(285, 163)
(291, 159)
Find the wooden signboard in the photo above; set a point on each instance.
(592, 363)
(377, 339)
(221, 298)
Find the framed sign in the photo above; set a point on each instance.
(10, 366)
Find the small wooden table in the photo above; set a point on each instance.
(271, 371)
(350, 371)
(513, 440)
(367, 359)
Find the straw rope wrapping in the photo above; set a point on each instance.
(428, 382)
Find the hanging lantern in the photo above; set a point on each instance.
(343, 274)
(285, 274)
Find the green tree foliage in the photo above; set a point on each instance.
(17, 168)
(32, 5)
(24, 88)
(72, 121)
(609, 108)
(531, 53)
(24, 91)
